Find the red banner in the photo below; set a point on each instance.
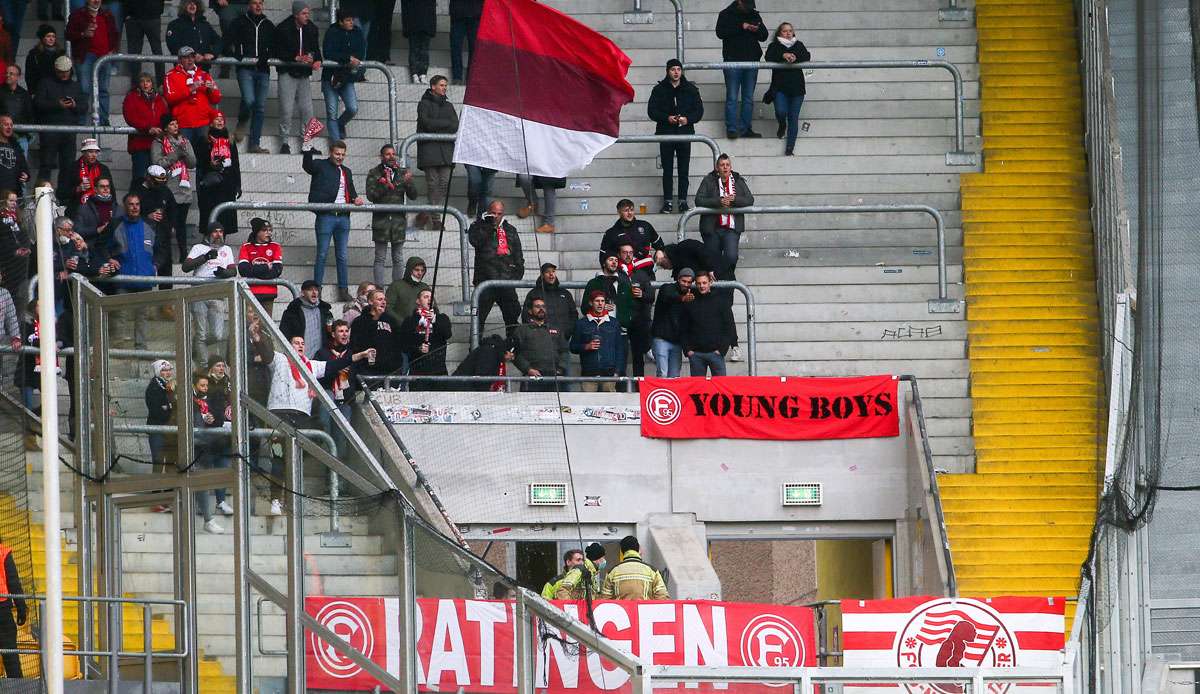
(468, 644)
(770, 407)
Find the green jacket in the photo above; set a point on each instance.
(402, 294)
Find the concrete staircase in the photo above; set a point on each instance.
(1020, 524)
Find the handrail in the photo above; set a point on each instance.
(463, 222)
(958, 157)
(407, 143)
(393, 124)
(933, 489)
(943, 304)
(175, 279)
(751, 332)
(76, 129)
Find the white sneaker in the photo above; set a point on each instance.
(276, 507)
(735, 353)
(416, 79)
(213, 527)
(225, 508)
(423, 79)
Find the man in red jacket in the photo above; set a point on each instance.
(192, 95)
(93, 33)
(144, 109)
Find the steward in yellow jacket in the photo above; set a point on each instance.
(574, 585)
(632, 578)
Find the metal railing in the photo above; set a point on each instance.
(175, 279)
(803, 679)
(391, 381)
(751, 331)
(77, 129)
(946, 560)
(103, 61)
(958, 157)
(943, 304)
(463, 222)
(707, 141)
(115, 640)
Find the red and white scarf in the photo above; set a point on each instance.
(725, 188)
(300, 382)
(178, 169)
(639, 264)
(91, 174)
(220, 152)
(501, 240)
(341, 381)
(35, 339)
(425, 321)
(390, 174)
(598, 318)
(202, 404)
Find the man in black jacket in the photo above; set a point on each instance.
(629, 229)
(8, 627)
(464, 25)
(308, 317)
(670, 324)
(675, 107)
(252, 35)
(641, 288)
(59, 101)
(561, 311)
(497, 257)
(192, 29)
(708, 330)
(332, 181)
(375, 328)
(740, 28)
(17, 102)
(296, 39)
(689, 253)
(14, 169)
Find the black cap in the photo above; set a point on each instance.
(309, 284)
(548, 266)
(213, 227)
(674, 62)
(258, 223)
(45, 29)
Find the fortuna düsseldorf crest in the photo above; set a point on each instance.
(954, 633)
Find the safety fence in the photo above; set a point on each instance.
(712, 145)
(943, 304)
(958, 157)
(104, 61)
(751, 330)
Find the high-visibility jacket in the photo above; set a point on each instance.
(5, 550)
(573, 585)
(633, 579)
(551, 586)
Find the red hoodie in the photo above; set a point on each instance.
(192, 110)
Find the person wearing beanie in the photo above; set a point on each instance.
(39, 62)
(218, 174)
(210, 259)
(297, 39)
(261, 258)
(160, 405)
(59, 101)
(740, 28)
(93, 33)
(670, 324)
(675, 107)
(252, 35)
(600, 344)
(582, 582)
(173, 152)
(787, 86)
(346, 45)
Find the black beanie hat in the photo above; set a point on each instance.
(594, 551)
(45, 29)
(674, 62)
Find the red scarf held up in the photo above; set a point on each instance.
(296, 372)
(638, 264)
(726, 187)
(342, 380)
(501, 240)
(35, 339)
(220, 150)
(426, 321)
(91, 174)
(202, 404)
(179, 166)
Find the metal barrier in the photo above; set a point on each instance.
(174, 279)
(77, 129)
(712, 145)
(115, 640)
(103, 61)
(943, 304)
(931, 488)
(463, 222)
(918, 678)
(958, 157)
(751, 332)
(391, 381)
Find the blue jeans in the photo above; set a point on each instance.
(739, 87)
(668, 358)
(479, 185)
(253, 85)
(85, 83)
(335, 124)
(788, 108)
(461, 30)
(723, 242)
(702, 362)
(336, 227)
(139, 161)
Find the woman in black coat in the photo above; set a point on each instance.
(787, 86)
(423, 337)
(218, 173)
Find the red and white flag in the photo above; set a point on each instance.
(953, 632)
(544, 93)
